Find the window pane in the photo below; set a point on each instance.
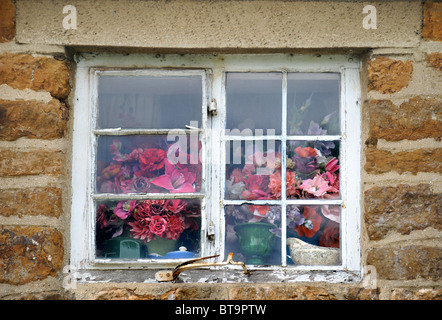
(252, 169)
(149, 102)
(313, 235)
(148, 164)
(313, 104)
(152, 229)
(254, 103)
(313, 170)
(253, 234)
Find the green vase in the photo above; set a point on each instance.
(255, 241)
(161, 246)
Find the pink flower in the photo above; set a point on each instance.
(124, 208)
(317, 186)
(331, 212)
(332, 165)
(175, 180)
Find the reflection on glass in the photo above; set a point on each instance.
(149, 102)
(313, 104)
(313, 170)
(253, 233)
(152, 229)
(251, 170)
(313, 234)
(253, 103)
(148, 164)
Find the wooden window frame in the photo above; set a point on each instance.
(213, 69)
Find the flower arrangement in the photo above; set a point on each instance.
(148, 219)
(309, 175)
(315, 224)
(312, 172)
(148, 167)
(140, 164)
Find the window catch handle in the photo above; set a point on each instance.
(170, 275)
(212, 108)
(211, 231)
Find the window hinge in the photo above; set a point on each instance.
(212, 107)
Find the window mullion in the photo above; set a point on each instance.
(283, 171)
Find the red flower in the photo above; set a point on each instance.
(152, 159)
(175, 225)
(306, 152)
(309, 214)
(158, 225)
(262, 210)
(330, 235)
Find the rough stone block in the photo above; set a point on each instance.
(421, 160)
(401, 209)
(434, 60)
(7, 20)
(46, 201)
(280, 292)
(406, 262)
(29, 254)
(32, 119)
(416, 294)
(21, 71)
(432, 27)
(388, 75)
(417, 118)
(17, 163)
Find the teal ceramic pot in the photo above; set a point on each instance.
(255, 241)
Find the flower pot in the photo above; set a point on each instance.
(303, 253)
(255, 241)
(124, 248)
(161, 246)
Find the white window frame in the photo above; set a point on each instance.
(213, 68)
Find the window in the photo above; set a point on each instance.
(184, 156)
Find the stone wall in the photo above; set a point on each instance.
(401, 175)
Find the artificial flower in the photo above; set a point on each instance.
(306, 152)
(330, 235)
(152, 159)
(317, 186)
(314, 219)
(331, 212)
(175, 180)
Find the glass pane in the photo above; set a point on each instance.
(313, 104)
(152, 229)
(148, 164)
(254, 103)
(149, 102)
(313, 170)
(313, 235)
(252, 170)
(253, 234)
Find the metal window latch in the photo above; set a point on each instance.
(170, 275)
(212, 108)
(211, 231)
